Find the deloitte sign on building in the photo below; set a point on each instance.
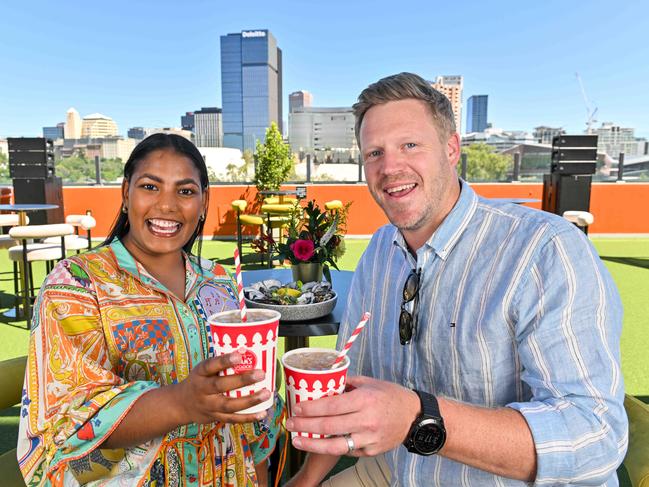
(253, 33)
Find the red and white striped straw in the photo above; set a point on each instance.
(242, 303)
(348, 345)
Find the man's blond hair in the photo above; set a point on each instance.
(405, 86)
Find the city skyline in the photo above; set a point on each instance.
(147, 63)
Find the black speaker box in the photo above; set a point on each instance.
(41, 191)
(30, 157)
(566, 192)
(581, 141)
(562, 167)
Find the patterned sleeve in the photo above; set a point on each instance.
(72, 399)
(569, 326)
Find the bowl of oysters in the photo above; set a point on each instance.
(295, 301)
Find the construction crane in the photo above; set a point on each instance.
(591, 109)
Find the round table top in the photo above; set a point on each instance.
(27, 207)
(284, 192)
(326, 325)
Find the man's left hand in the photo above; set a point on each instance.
(377, 414)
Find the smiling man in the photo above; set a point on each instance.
(492, 356)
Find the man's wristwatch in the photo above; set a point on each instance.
(427, 434)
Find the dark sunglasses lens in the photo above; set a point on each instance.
(411, 287)
(405, 327)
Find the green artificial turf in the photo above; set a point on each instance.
(628, 262)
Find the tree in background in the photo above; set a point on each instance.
(4, 168)
(483, 164)
(79, 169)
(274, 161)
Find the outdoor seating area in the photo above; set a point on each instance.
(264, 227)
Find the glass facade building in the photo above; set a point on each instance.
(187, 121)
(54, 133)
(137, 133)
(208, 127)
(251, 87)
(476, 114)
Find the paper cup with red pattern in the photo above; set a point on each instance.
(308, 385)
(258, 336)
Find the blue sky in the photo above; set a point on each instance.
(144, 63)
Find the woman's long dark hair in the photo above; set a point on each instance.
(152, 143)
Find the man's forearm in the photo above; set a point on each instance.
(494, 440)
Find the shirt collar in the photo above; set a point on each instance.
(127, 263)
(448, 233)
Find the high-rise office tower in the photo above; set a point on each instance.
(614, 139)
(98, 125)
(137, 133)
(56, 132)
(299, 99)
(544, 134)
(451, 86)
(476, 113)
(251, 87)
(208, 127)
(187, 121)
(321, 127)
(72, 124)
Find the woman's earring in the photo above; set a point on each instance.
(202, 217)
(124, 209)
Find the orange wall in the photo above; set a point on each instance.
(618, 208)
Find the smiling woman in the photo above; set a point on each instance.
(120, 384)
(156, 161)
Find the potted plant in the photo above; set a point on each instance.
(315, 241)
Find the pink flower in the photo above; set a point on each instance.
(303, 249)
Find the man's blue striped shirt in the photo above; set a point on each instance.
(515, 309)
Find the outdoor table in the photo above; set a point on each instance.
(280, 193)
(297, 334)
(23, 209)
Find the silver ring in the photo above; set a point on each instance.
(350, 443)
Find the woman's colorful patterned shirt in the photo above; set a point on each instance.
(105, 332)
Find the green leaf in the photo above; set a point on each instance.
(327, 273)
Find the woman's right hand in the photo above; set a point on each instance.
(201, 395)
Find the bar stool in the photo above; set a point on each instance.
(76, 241)
(334, 205)
(581, 219)
(239, 206)
(26, 253)
(8, 220)
(278, 216)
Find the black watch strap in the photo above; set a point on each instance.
(429, 405)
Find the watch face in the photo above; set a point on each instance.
(429, 437)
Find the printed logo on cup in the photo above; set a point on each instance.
(248, 362)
